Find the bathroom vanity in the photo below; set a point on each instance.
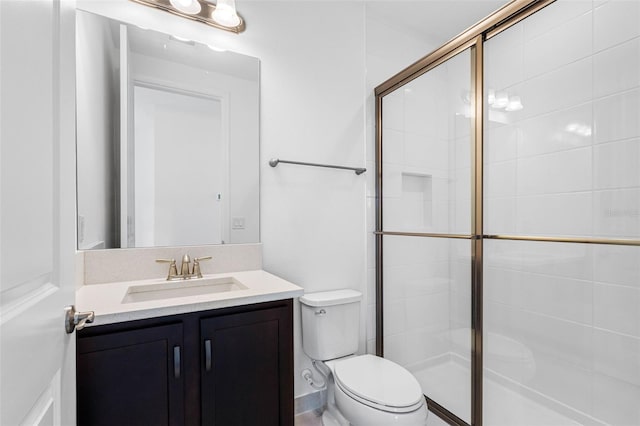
(220, 358)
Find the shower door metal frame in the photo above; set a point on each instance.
(472, 38)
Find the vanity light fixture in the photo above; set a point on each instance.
(222, 15)
(225, 13)
(190, 7)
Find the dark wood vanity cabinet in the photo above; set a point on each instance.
(224, 367)
(246, 379)
(131, 377)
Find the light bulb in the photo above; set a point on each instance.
(515, 104)
(492, 97)
(190, 7)
(225, 13)
(502, 100)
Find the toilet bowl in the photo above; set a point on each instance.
(364, 390)
(370, 390)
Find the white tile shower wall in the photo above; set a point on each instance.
(383, 59)
(576, 101)
(573, 310)
(427, 188)
(428, 120)
(416, 295)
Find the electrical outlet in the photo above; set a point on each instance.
(237, 223)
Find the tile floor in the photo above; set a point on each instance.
(310, 418)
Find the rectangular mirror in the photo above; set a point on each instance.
(167, 139)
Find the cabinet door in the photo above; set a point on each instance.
(131, 377)
(247, 371)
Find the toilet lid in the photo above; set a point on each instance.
(378, 381)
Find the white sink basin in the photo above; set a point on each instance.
(181, 288)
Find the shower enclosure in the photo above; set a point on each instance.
(508, 225)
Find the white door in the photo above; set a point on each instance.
(37, 216)
(180, 171)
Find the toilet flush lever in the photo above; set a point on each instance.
(321, 312)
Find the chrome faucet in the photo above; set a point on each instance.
(185, 270)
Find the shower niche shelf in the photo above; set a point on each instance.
(417, 201)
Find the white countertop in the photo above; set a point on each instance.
(106, 300)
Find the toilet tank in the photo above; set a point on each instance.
(330, 323)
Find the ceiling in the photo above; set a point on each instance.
(436, 20)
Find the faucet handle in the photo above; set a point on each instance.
(173, 270)
(196, 265)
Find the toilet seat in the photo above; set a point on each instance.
(378, 383)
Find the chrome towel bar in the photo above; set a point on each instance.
(275, 161)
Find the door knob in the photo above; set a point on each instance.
(76, 320)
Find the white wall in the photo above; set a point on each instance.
(97, 106)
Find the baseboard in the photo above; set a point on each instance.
(311, 401)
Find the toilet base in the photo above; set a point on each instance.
(332, 417)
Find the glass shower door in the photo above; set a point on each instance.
(427, 132)
(562, 209)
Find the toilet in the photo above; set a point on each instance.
(363, 390)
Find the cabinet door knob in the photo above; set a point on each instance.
(176, 362)
(207, 355)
